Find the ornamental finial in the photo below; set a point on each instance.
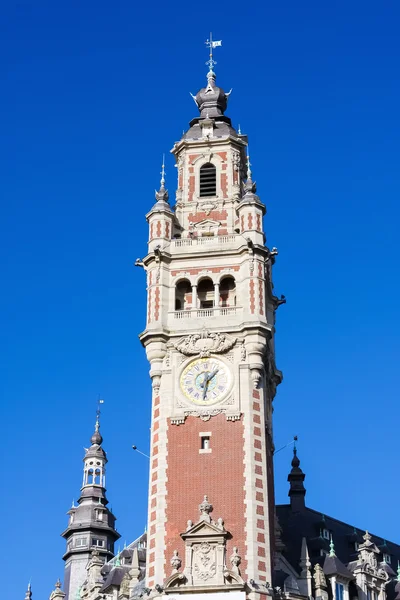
(98, 412)
(162, 194)
(248, 164)
(332, 548)
(250, 186)
(163, 171)
(211, 62)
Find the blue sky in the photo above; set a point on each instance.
(93, 94)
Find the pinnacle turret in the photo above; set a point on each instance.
(28, 593)
(91, 524)
(296, 478)
(57, 593)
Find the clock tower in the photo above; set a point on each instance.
(209, 339)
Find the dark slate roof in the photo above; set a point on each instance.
(309, 523)
(221, 130)
(334, 566)
(115, 576)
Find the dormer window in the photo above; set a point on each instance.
(208, 180)
(326, 534)
(387, 559)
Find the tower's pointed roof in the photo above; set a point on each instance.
(296, 477)
(28, 593)
(162, 196)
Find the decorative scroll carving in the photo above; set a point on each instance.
(205, 344)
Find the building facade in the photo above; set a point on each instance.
(213, 527)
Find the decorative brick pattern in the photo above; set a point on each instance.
(158, 229)
(149, 306)
(259, 228)
(252, 297)
(192, 186)
(219, 475)
(215, 215)
(250, 221)
(167, 229)
(224, 184)
(261, 296)
(157, 304)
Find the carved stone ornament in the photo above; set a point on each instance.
(205, 549)
(205, 343)
(208, 206)
(319, 577)
(176, 562)
(235, 560)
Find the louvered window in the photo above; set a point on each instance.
(208, 180)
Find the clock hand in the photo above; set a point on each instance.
(206, 381)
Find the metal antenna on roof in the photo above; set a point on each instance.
(140, 452)
(294, 440)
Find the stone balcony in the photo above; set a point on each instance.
(194, 318)
(203, 244)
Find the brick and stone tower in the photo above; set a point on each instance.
(91, 524)
(209, 340)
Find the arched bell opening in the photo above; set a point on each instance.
(227, 292)
(208, 180)
(205, 293)
(183, 295)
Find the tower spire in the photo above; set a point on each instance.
(91, 522)
(296, 478)
(28, 593)
(162, 194)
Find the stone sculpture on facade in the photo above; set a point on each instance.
(205, 556)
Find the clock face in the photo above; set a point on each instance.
(206, 381)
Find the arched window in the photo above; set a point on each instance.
(97, 477)
(205, 293)
(227, 292)
(208, 180)
(90, 477)
(183, 295)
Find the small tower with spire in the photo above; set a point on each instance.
(91, 524)
(160, 218)
(297, 490)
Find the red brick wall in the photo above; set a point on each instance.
(219, 474)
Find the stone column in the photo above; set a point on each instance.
(216, 298)
(194, 296)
